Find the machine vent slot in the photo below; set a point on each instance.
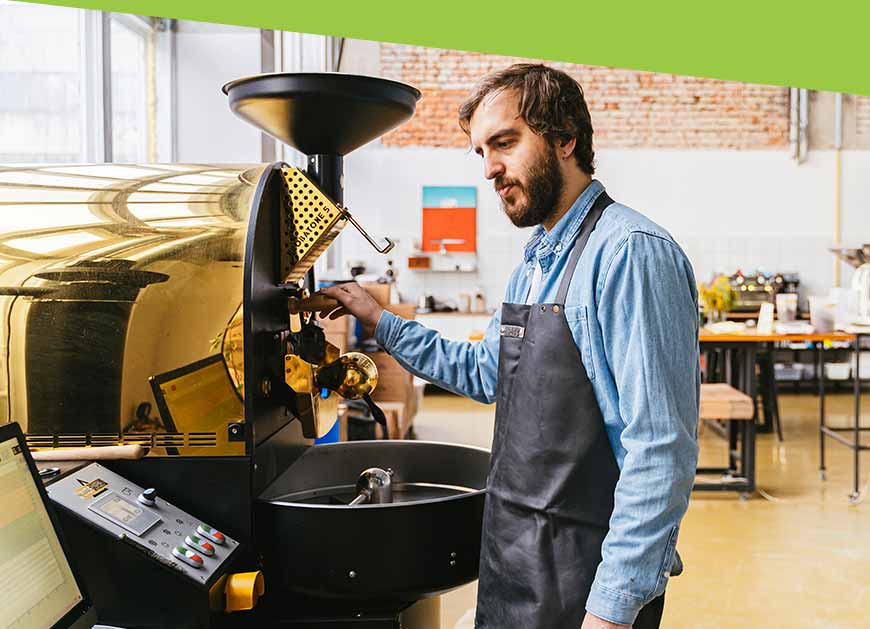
(140, 438)
(72, 441)
(40, 441)
(202, 439)
(105, 439)
(169, 440)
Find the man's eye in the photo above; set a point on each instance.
(504, 144)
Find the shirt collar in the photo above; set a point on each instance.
(565, 231)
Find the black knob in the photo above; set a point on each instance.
(147, 496)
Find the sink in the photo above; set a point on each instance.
(424, 543)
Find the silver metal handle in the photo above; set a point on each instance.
(362, 498)
(374, 486)
(386, 249)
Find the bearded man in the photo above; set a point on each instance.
(593, 365)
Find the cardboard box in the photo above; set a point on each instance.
(394, 383)
(393, 388)
(406, 311)
(381, 292)
(387, 365)
(339, 339)
(340, 325)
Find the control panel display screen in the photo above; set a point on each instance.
(120, 509)
(125, 513)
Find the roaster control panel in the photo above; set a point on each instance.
(140, 517)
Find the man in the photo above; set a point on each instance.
(593, 363)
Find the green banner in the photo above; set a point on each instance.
(822, 46)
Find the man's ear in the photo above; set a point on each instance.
(566, 148)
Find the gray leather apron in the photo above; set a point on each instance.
(553, 473)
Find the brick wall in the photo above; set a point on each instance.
(862, 116)
(630, 109)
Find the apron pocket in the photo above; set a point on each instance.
(578, 321)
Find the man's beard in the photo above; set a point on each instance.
(543, 187)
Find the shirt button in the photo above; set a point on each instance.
(558, 246)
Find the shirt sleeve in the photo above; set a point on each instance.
(466, 368)
(647, 310)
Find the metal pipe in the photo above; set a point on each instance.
(268, 145)
(838, 181)
(793, 113)
(804, 123)
(856, 384)
(838, 121)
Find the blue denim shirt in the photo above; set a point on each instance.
(632, 309)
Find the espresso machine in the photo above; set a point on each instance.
(157, 308)
(859, 258)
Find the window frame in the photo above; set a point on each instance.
(95, 71)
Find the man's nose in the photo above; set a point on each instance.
(492, 168)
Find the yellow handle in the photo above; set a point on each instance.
(243, 589)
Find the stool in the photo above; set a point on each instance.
(396, 425)
(769, 392)
(723, 403)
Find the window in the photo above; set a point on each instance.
(77, 86)
(133, 133)
(41, 79)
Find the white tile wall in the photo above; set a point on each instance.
(728, 209)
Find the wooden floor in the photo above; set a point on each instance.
(800, 558)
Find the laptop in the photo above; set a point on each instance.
(38, 587)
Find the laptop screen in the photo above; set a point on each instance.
(37, 586)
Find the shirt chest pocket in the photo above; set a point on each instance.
(578, 321)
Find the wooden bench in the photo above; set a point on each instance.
(723, 403)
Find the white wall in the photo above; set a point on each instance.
(209, 55)
(728, 209)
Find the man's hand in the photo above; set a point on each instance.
(356, 301)
(594, 622)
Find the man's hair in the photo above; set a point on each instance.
(550, 102)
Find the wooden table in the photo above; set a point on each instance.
(741, 351)
(745, 346)
(753, 337)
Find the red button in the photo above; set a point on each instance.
(208, 547)
(218, 535)
(195, 557)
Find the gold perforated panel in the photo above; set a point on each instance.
(310, 221)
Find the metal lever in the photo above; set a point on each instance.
(386, 249)
(374, 486)
(377, 413)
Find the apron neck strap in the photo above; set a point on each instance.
(589, 223)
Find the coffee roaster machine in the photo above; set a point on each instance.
(149, 306)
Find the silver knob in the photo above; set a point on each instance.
(374, 486)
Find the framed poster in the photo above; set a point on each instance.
(449, 219)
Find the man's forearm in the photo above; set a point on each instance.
(466, 368)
